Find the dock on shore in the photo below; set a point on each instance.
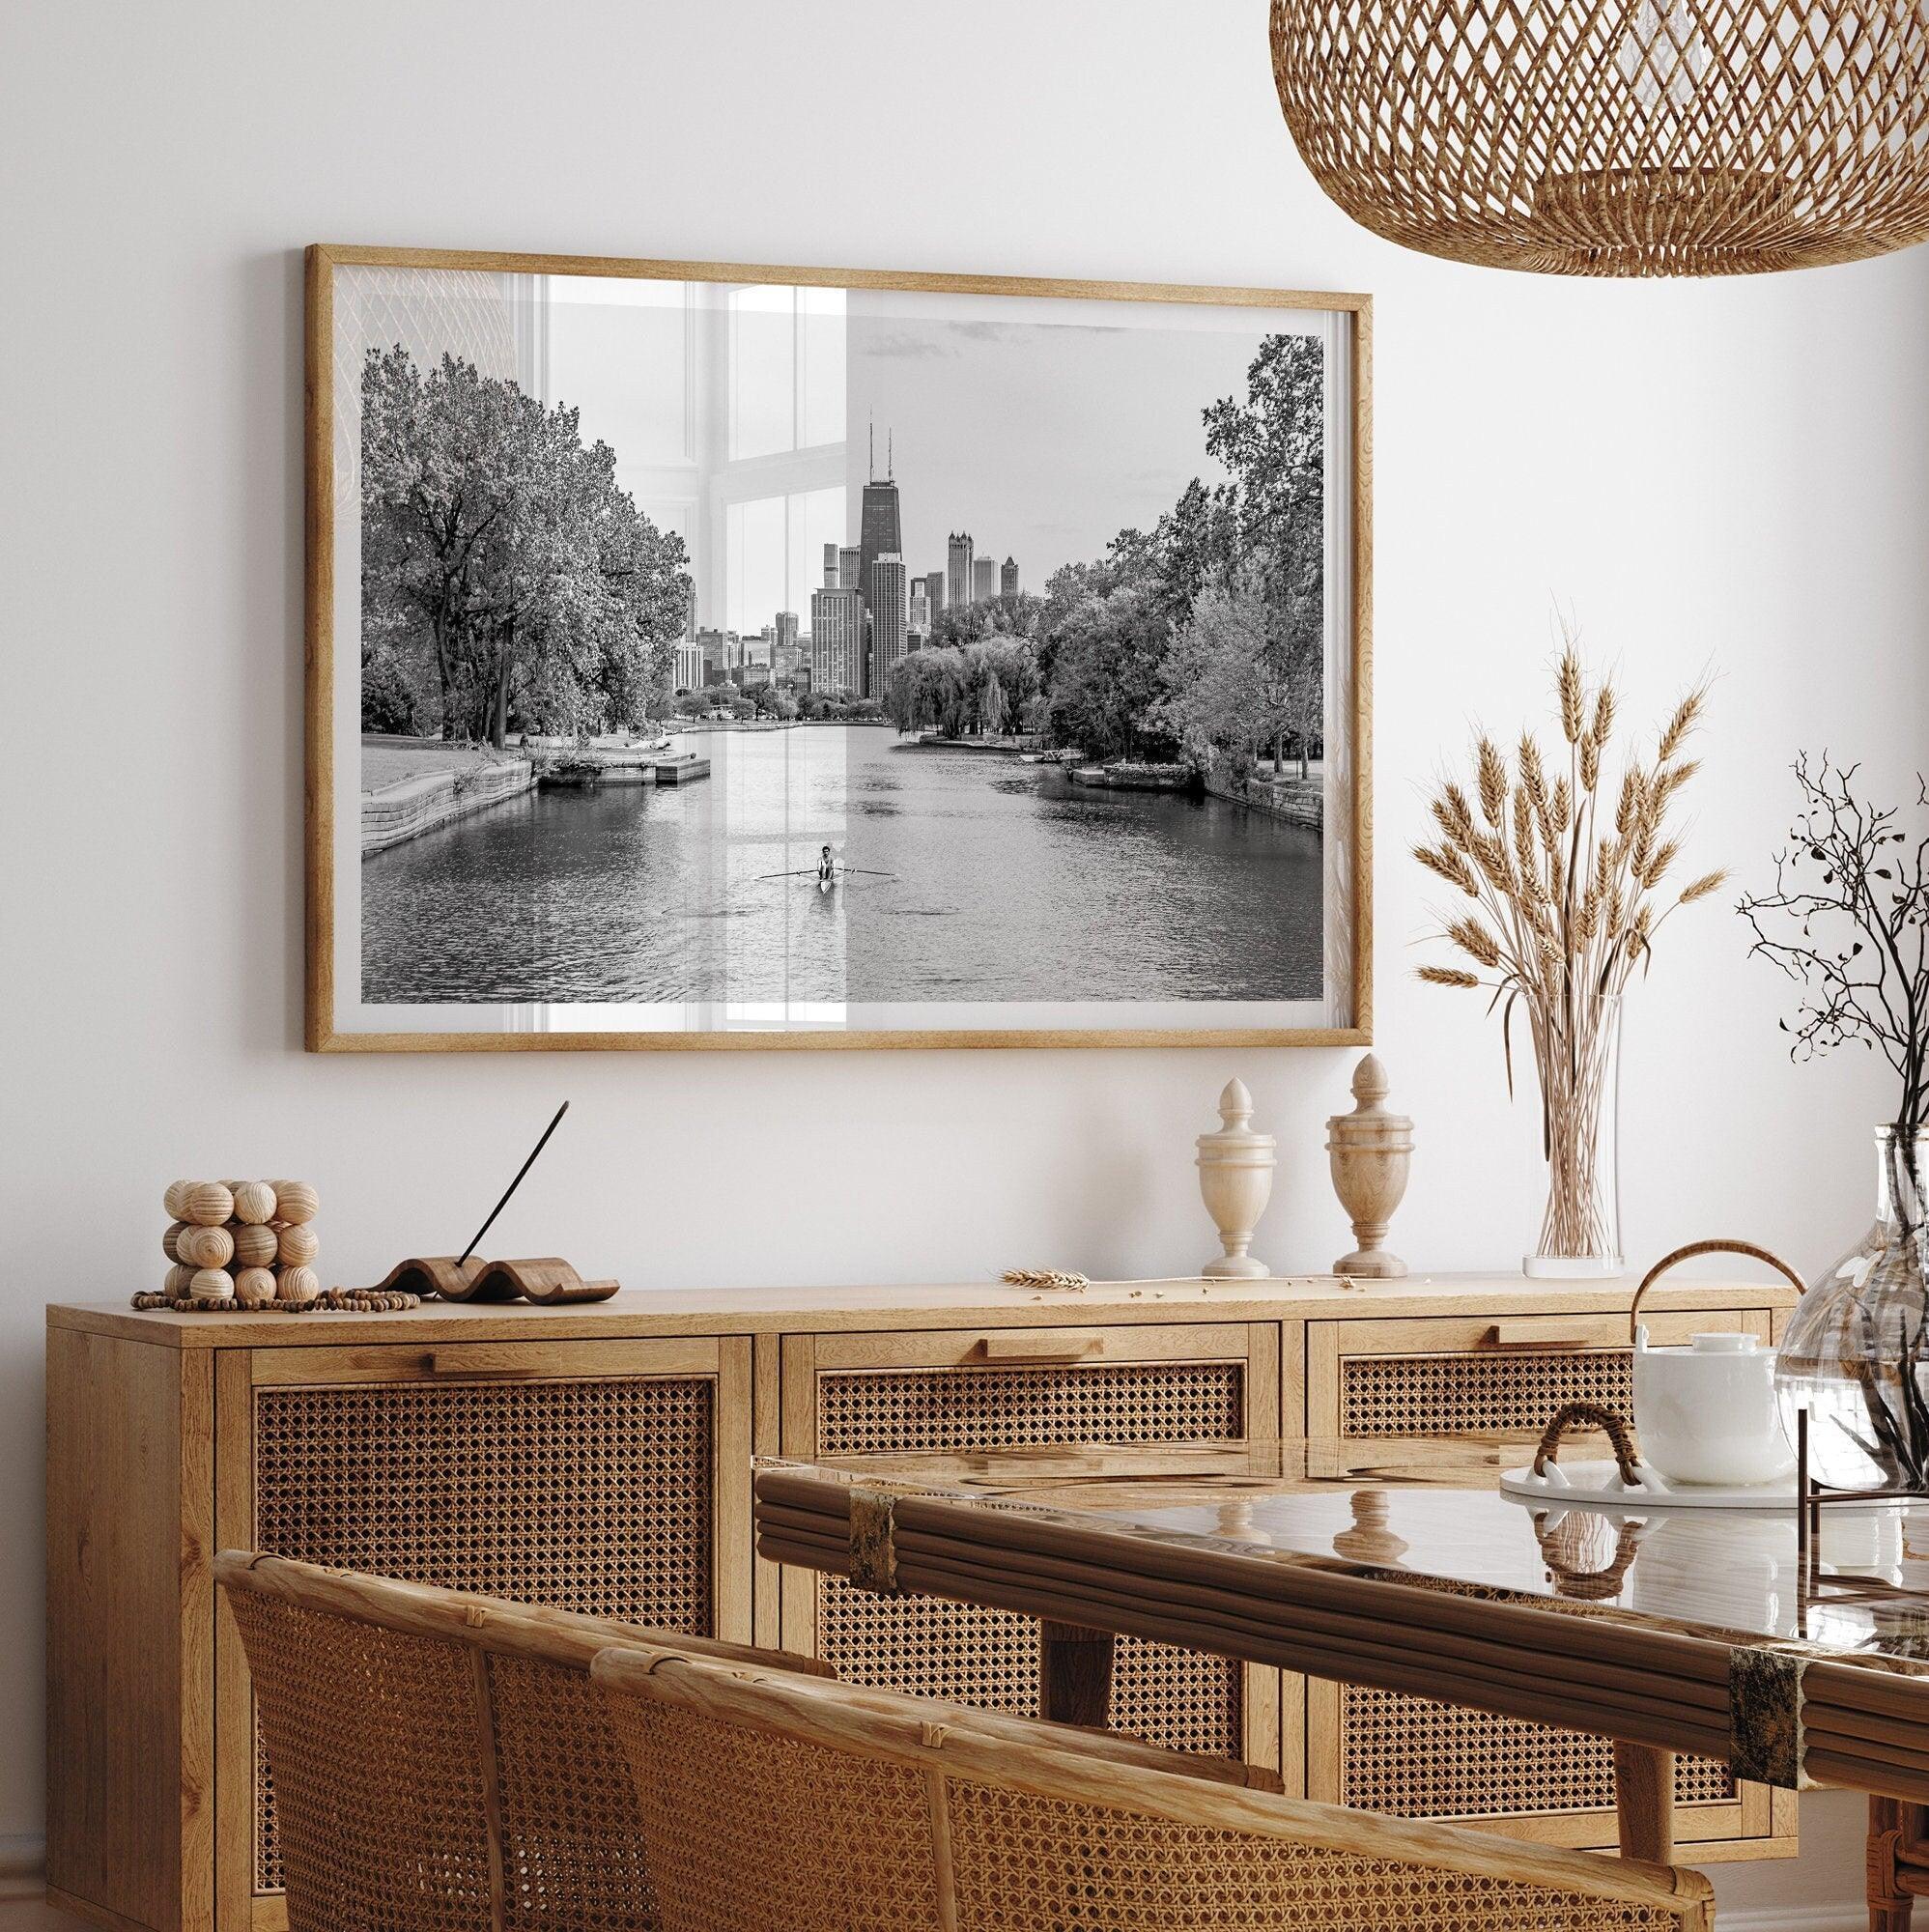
(410, 787)
(1136, 778)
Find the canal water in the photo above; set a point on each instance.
(973, 878)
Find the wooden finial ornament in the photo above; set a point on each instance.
(1371, 1152)
(1236, 1167)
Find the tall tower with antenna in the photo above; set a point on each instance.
(880, 533)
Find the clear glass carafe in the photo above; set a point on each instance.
(1855, 1354)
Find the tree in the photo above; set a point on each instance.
(1108, 675)
(1273, 445)
(427, 502)
(502, 547)
(388, 698)
(1225, 694)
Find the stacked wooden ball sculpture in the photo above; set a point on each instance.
(239, 1245)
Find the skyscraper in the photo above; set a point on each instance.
(879, 534)
(983, 580)
(850, 568)
(785, 658)
(934, 589)
(1008, 578)
(836, 639)
(957, 574)
(889, 612)
(830, 566)
(919, 619)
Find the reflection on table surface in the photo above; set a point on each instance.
(1429, 1510)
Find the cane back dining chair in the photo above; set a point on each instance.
(442, 1763)
(780, 1801)
(441, 1760)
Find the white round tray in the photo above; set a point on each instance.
(1599, 1486)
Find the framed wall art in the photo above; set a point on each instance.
(712, 656)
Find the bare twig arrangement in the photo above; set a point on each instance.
(1566, 878)
(1847, 920)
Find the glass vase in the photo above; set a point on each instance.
(1854, 1356)
(1578, 1058)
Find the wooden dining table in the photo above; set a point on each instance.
(1403, 1566)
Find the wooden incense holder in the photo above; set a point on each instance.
(544, 1279)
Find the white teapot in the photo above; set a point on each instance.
(1707, 1413)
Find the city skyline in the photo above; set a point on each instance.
(1062, 460)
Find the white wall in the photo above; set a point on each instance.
(1729, 474)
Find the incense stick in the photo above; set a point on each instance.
(475, 1240)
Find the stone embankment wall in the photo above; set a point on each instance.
(1301, 802)
(416, 805)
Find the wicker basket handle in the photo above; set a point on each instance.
(1572, 1414)
(1689, 1253)
(1590, 1587)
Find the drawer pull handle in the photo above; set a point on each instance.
(437, 1364)
(1046, 1349)
(1529, 1336)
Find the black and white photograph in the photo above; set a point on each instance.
(838, 659)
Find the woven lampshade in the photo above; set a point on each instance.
(1616, 137)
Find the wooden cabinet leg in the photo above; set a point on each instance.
(1889, 1906)
(1075, 1674)
(1644, 1801)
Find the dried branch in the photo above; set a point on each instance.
(1848, 922)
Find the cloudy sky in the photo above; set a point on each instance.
(1043, 439)
(1042, 427)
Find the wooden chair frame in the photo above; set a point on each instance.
(1018, 1755)
(495, 1624)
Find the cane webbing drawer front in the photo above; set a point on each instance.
(584, 1493)
(1479, 1376)
(989, 1657)
(1409, 1757)
(1476, 1394)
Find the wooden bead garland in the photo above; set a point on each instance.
(249, 1244)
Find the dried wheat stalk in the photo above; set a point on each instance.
(1061, 1279)
(1566, 893)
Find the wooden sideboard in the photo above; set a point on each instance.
(599, 1457)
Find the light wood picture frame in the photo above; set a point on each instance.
(644, 711)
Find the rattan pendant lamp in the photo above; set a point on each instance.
(1616, 137)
